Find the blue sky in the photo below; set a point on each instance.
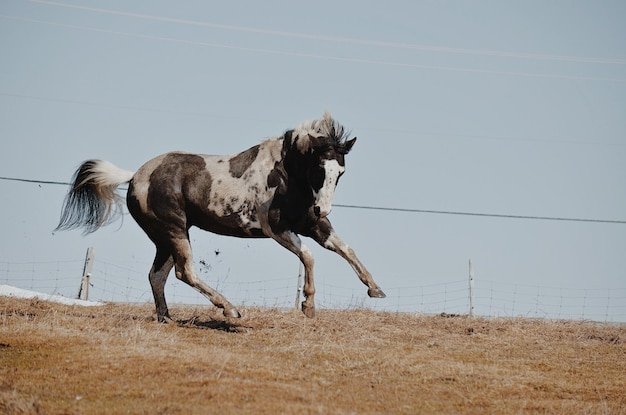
(512, 108)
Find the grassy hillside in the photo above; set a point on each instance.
(57, 359)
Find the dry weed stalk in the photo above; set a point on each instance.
(60, 359)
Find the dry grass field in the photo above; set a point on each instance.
(116, 359)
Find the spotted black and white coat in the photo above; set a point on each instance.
(279, 189)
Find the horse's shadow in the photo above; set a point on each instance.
(219, 325)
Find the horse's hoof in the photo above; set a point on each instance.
(232, 313)
(376, 293)
(308, 310)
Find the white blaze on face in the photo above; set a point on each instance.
(324, 198)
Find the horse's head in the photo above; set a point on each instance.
(325, 167)
(318, 160)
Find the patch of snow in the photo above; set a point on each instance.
(8, 291)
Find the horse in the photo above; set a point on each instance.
(279, 189)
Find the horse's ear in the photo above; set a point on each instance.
(349, 144)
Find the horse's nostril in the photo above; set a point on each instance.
(317, 211)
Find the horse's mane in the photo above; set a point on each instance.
(326, 128)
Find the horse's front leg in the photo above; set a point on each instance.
(292, 242)
(325, 235)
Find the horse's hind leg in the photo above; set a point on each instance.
(163, 263)
(186, 273)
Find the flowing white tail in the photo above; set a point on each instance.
(92, 201)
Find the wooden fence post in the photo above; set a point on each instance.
(83, 292)
(471, 288)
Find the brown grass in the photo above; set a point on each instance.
(57, 359)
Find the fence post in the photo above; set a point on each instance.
(471, 288)
(83, 292)
(300, 284)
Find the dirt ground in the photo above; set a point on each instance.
(116, 359)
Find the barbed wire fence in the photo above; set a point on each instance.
(128, 283)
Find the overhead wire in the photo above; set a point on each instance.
(337, 39)
(15, 179)
(325, 57)
(490, 215)
(404, 210)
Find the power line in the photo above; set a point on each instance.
(337, 39)
(15, 179)
(405, 210)
(490, 215)
(326, 57)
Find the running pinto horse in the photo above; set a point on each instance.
(278, 189)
